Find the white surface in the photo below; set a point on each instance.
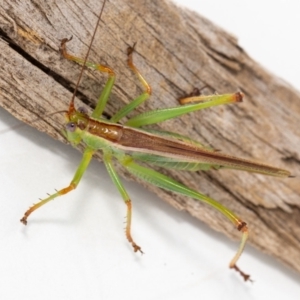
(75, 248)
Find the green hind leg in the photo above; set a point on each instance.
(170, 184)
(107, 159)
(160, 115)
(87, 156)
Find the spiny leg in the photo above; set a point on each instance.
(109, 84)
(87, 156)
(242, 226)
(107, 159)
(140, 99)
(170, 184)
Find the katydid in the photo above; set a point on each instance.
(131, 146)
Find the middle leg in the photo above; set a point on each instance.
(141, 98)
(107, 159)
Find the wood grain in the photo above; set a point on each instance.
(176, 51)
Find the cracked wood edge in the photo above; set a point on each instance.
(176, 51)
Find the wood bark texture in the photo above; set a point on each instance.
(176, 51)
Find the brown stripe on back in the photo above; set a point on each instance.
(163, 146)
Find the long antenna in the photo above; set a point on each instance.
(87, 54)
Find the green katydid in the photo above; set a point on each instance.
(130, 145)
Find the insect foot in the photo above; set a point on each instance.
(136, 248)
(24, 220)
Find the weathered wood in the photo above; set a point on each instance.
(176, 51)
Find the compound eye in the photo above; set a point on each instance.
(82, 110)
(71, 126)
